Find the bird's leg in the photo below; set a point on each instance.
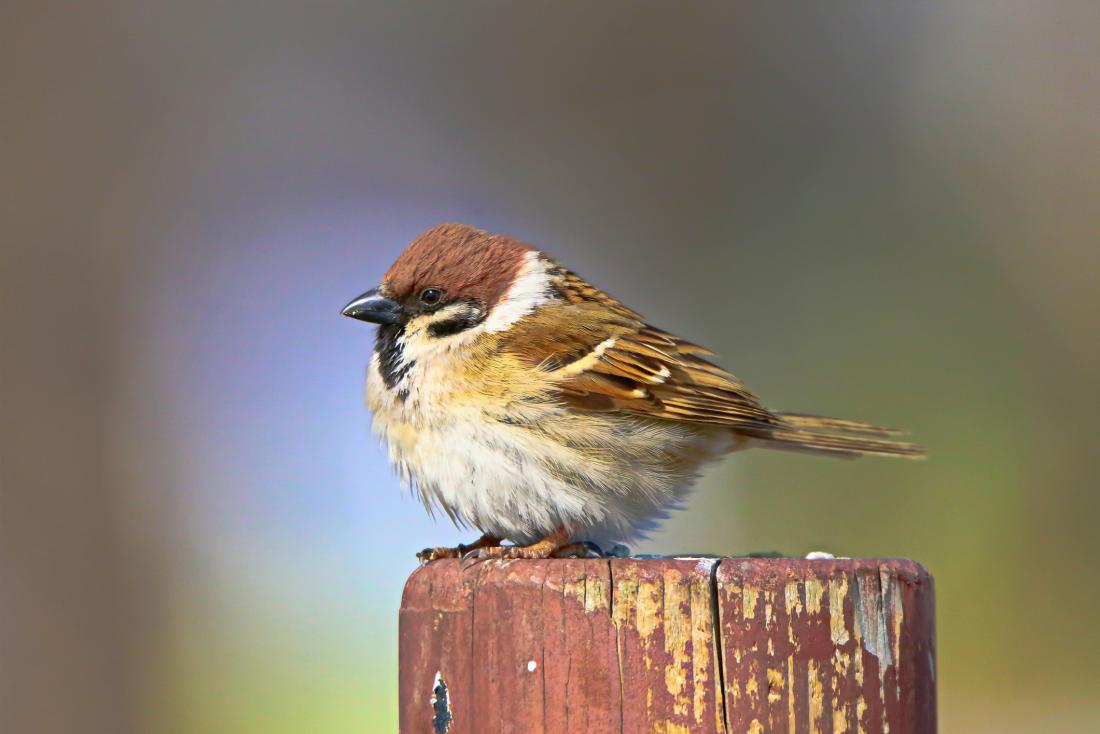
(544, 548)
(434, 554)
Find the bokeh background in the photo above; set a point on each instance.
(880, 210)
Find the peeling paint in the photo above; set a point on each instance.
(748, 602)
(838, 592)
(596, 598)
(793, 602)
(626, 595)
(870, 619)
(574, 589)
(840, 708)
(898, 609)
(814, 592)
(776, 684)
(792, 596)
(677, 636)
(875, 603)
(857, 658)
(840, 720)
(703, 635)
(790, 696)
(815, 692)
(842, 661)
(649, 608)
(752, 688)
(700, 646)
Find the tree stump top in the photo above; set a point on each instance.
(668, 645)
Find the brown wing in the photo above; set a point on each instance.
(608, 359)
(611, 361)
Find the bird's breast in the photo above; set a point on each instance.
(496, 452)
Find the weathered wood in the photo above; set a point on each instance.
(670, 645)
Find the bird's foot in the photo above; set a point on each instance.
(460, 551)
(548, 547)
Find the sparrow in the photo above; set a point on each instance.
(526, 403)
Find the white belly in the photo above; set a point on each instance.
(606, 477)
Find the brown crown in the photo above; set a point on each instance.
(464, 261)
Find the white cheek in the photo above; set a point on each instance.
(418, 344)
(531, 289)
(421, 347)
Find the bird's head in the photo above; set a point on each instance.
(455, 278)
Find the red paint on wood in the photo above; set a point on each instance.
(664, 622)
(852, 640)
(668, 645)
(582, 678)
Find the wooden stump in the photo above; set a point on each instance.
(668, 645)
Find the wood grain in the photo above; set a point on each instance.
(670, 645)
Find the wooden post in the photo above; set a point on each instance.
(670, 645)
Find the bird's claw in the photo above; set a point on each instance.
(475, 552)
(535, 551)
(495, 552)
(488, 548)
(511, 552)
(428, 555)
(459, 551)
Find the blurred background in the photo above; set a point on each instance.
(884, 211)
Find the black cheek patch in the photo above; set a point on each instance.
(389, 349)
(455, 325)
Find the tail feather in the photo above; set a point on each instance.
(805, 422)
(836, 437)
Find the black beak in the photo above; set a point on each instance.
(374, 308)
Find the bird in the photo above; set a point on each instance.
(527, 404)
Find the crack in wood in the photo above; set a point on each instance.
(670, 645)
(618, 642)
(719, 648)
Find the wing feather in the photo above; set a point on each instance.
(609, 359)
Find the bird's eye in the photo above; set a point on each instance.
(431, 296)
